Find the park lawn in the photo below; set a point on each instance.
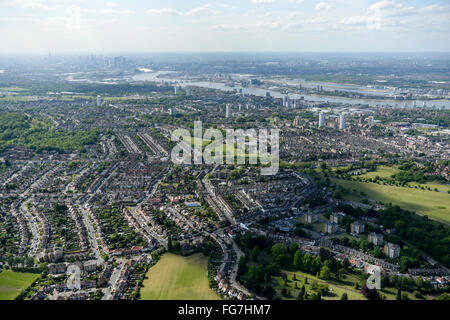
(382, 171)
(337, 289)
(435, 205)
(176, 277)
(440, 186)
(12, 283)
(386, 172)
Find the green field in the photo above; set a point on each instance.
(382, 171)
(440, 186)
(12, 283)
(385, 172)
(424, 202)
(337, 288)
(178, 278)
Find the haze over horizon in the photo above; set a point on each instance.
(36, 26)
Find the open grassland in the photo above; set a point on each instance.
(382, 171)
(177, 278)
(385, 172)
(337, 288)
(12, 283)
(434, 204)
(432, 185)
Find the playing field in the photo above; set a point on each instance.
(424, 202)
(11, 283)
(177, 278)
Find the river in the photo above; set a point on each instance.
(308, 97)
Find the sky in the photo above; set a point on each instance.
(39, 26)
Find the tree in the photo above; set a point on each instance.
(419, 283)
(293, 248)
(399, 294)
(242, 266)
(169, 244)
(300, 295)
(254, 254)
(298, 260)
(344, 296)
(370, 294)
(280, 254)
(444, 296)
(341, 273)
(325, 273)
(315, 296)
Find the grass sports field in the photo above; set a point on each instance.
(424, 202)
(176, 278)
(11, 283)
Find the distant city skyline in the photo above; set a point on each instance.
(39, 26)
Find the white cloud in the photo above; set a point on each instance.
(73, 21)
(240, 25)
(201, 11)
(392, 8)
(164, 11)
(110, 10)
(323, 6)
(274, 1)
(392, 14)
(205, 10)
(381, 5)
(355, 20)
(270, 25)
(263, 1)
(28, 4)
(226, 27)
